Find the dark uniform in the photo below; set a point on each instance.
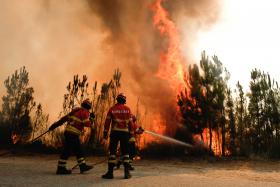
(76, 120)
(119, 118)
(132, 149)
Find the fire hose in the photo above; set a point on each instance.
(39, 136)
(97, 163)
(167, 138)
(7, 152)
(153, 134)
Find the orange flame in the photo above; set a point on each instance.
(173, 69)
(85, 136)
(157, 125)
(172, 66)
(15, 138)
(216, 141)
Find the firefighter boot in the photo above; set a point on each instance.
(62, 171)
(109, 174)
(127, 174)
(84, 167)
(130, 167)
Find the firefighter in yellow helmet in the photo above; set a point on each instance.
(77, 119)
(119, 119)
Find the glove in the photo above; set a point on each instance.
(140, 130)
(105, 135)
(91, 116)
(53, 126)
(132, 139)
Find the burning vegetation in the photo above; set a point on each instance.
(172, 67)
(15, 138)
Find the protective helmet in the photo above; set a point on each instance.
(134, 118)
(86, 104)
(121, 98)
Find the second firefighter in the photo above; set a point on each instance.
(119, 118)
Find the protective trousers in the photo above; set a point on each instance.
(115, 138)
(71, 144)
(132, 151)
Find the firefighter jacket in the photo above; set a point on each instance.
(77, 119)
(119, 117)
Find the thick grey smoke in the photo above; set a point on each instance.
(57, 39)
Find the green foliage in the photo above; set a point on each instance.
(231, 122)
(263, 111)
(241, 116)
(248, 123)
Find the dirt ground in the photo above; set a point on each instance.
(39, 170)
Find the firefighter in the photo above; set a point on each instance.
(77, 119)
(132, 141)
(119, 118)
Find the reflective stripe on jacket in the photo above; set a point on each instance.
(119, 116)
(77, 120)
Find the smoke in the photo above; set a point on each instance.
(136, 45)
(57, 39)
(54, 40)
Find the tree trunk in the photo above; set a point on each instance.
(210, 137)
(201, 136)
(223, 139)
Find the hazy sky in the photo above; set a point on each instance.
(247, 36)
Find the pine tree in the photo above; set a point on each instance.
(231, 119)
(190, 103)
(255, 108)
(242, 122)
(203, 105)
(18, 104)
(39, 122)
(77, 91)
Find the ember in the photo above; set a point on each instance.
(15, 137)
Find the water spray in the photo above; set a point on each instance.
(169, 139)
